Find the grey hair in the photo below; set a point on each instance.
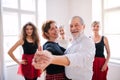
(61, 26)
(95, 22)
(80, 18)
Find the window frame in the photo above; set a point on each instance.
(19, 12)
(104, 11)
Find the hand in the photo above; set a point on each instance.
(104, 67)
(42, 56)
(42, 59)
(23, 62)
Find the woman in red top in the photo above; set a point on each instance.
(30, 43)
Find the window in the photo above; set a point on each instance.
(108, 13)
(16, 13)
(28, 5)
(10, 34)
(11, 18)
(111, 26)
(10, 3)
(26, 17)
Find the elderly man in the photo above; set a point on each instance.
(78, 58)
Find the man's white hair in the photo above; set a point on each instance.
(81, 20)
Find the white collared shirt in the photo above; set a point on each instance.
(81, 55)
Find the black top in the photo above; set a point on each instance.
(55, 49)
(100, 48)
(29, 48)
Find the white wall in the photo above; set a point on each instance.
(1, 48)
(41, 17)
(82, 8)
(58, 10)
(62, 10)
(114, 71)
(11, 74)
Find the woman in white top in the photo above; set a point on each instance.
(62, 40)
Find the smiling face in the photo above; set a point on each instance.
(76, 27)
(61, 31)
(29, 30)
(51, 32)
(95, 27)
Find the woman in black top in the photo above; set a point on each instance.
(50, 32)
(100, 67)
(30, 43)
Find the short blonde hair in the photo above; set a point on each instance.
(95, 23)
